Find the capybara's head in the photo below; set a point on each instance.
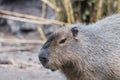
(60, 49)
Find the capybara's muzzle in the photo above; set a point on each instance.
(43, 57)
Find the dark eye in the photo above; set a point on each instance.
(62, 41)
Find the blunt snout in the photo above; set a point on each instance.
(43, 56)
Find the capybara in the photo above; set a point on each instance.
(85, 52)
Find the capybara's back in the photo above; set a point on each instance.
(85, 52)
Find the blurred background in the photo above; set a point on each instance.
(26, 24)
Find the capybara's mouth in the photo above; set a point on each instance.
(52, 69)
(45, 65)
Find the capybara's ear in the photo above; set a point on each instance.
(75, 31)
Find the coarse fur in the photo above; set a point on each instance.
(92, 54)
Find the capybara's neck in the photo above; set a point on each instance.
(72, 72)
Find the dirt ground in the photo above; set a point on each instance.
(23, 64)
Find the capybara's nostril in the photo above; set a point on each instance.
(43, 57)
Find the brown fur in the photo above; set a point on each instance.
(65, 61)
(92, 54)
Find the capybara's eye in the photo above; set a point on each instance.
(63, 41)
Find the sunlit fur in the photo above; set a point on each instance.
(95, 56)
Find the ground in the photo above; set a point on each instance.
(23, 64)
